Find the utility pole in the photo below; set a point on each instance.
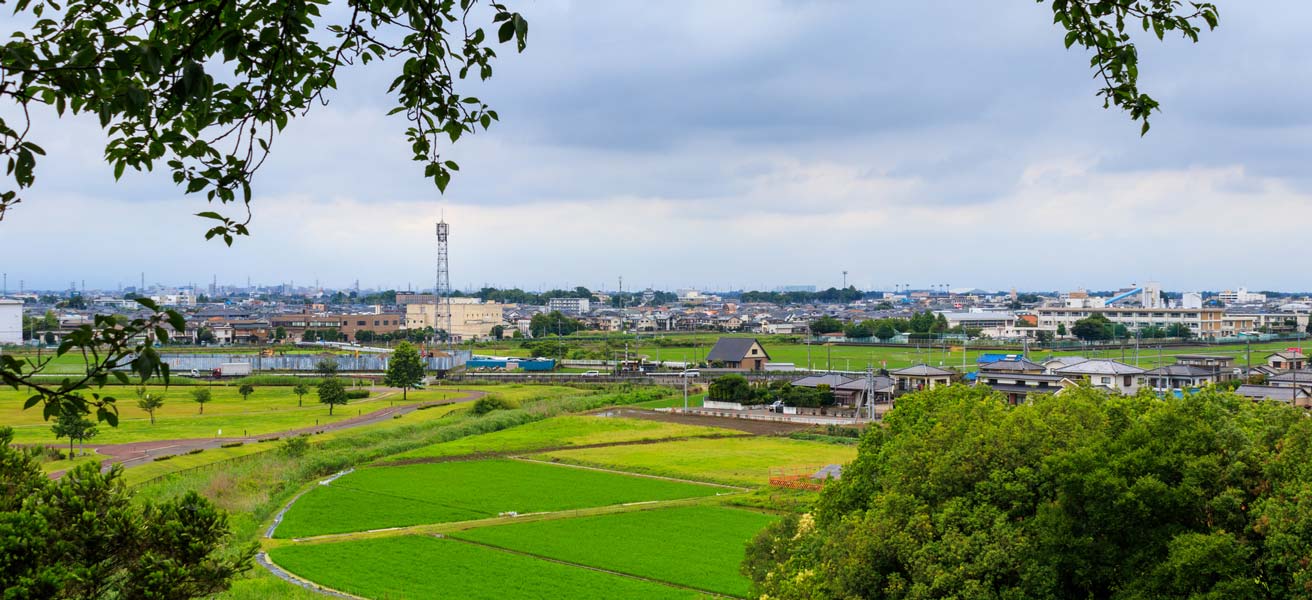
(844, 279)
(685, 393)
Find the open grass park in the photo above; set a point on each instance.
(555, 495)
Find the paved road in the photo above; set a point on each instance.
(139, 453)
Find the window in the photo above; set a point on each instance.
(359, 323)
(1105, 380)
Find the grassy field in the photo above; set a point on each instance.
(425, 567)
(379, 497)
(572, 430)
(673, 402)
(269, 409)
(734, 461)
(696, 546)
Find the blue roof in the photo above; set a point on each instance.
(992, 357)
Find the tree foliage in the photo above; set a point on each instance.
(72, 423)
(201, 395)
(1082, 495)
(553, 323)
(300, 390)
(730, 388)
(149, 401)
(205, 87)
(82, 536)
(825, 325)
(332, 392)
(405, 369)
(246, 390)
(1093, 328)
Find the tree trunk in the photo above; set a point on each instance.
(70, 447)
(404, 389)
(330, 410)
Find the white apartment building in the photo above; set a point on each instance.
(11, 321)
(470, 317)
(574, 306)
(993, 324)
(1241, 296)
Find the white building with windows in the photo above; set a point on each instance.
(1203, 322)
(11, 321)
(573, 306)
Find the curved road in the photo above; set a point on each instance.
(139, 453)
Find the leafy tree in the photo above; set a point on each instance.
(201, 395)
(1093, 328)
(885, 332)
(497, 332)
(83, 536)
(205, 87)
(300, 390)
(280, 333)
(863, 329)
(553, 323)
(405, 370)
(730, 388)
(332, 392)
(1061, 329)
(825, 325)
(1179, 330)
(149, 401)
(246, 390)
(326, 367)
(72, 423)
(205, 335)
(48, 338)
(1081, 495)
(1043, 336)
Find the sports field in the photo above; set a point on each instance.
(427, 567)
(559, 432)
(733, 461)
(380, 497)
(696, 546)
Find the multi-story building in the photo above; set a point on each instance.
(11, 321)
(1203, 322)
(470, 317)
(1241, 296)
(573, 306)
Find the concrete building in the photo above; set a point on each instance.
(990, 324)
(1241, 296)
(471, 318)
(573, 306)
(1203, 322)
(11, 321)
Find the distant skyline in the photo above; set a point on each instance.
(752, 145)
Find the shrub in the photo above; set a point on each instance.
(231, 444)
(296, 446)
(165, 457)
(492, 402)
(196, 451)
(356, 394)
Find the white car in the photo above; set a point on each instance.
(591, 373)
(690, 373)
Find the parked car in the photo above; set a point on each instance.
(777, 406)
(591, 373)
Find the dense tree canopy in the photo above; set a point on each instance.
(82, 536)
(1082, 495)
(553, 323)
(405, 369)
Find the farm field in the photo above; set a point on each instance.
(695, 546)
(694, 400)
(734, 461)
(570, 430)
(525, 393)
(269, 409)
(426, 567)
(379, 497)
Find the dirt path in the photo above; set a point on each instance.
(138, 453)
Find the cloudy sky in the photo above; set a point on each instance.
(751, 145)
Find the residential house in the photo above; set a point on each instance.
(738, 353)
(1289, 395)
(1179, 377)
(921, 377)
(1114, 375)
(1289, 360)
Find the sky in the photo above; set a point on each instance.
(749, 145)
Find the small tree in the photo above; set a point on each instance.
(300, 390)
(246, 390)
(1061, 329)
(332, 393)
(326, 367)
(885, 332)
(149, 401)
(280, 333)
(201, 396)
(730, 388)
(74, 425)
(405, 370)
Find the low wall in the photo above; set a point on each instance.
(182, 363)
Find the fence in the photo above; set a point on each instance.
(182, 363)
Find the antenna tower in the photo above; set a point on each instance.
(443, 288)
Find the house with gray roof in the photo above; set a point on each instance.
(1101, 372)
(921, 377)
(738, 353)
(1179, 377)
(1288, 395)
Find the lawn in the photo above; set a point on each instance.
(380, 497)
(695, 546)
(425, 567)
(694, 400)
(571, 430)
(269, 409)
(734, 461)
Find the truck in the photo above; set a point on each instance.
(233, 369)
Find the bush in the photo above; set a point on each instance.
(492, 402)
(356, 394)
(196, 451)
(231, 444)
(296, 446)
(165, 457)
